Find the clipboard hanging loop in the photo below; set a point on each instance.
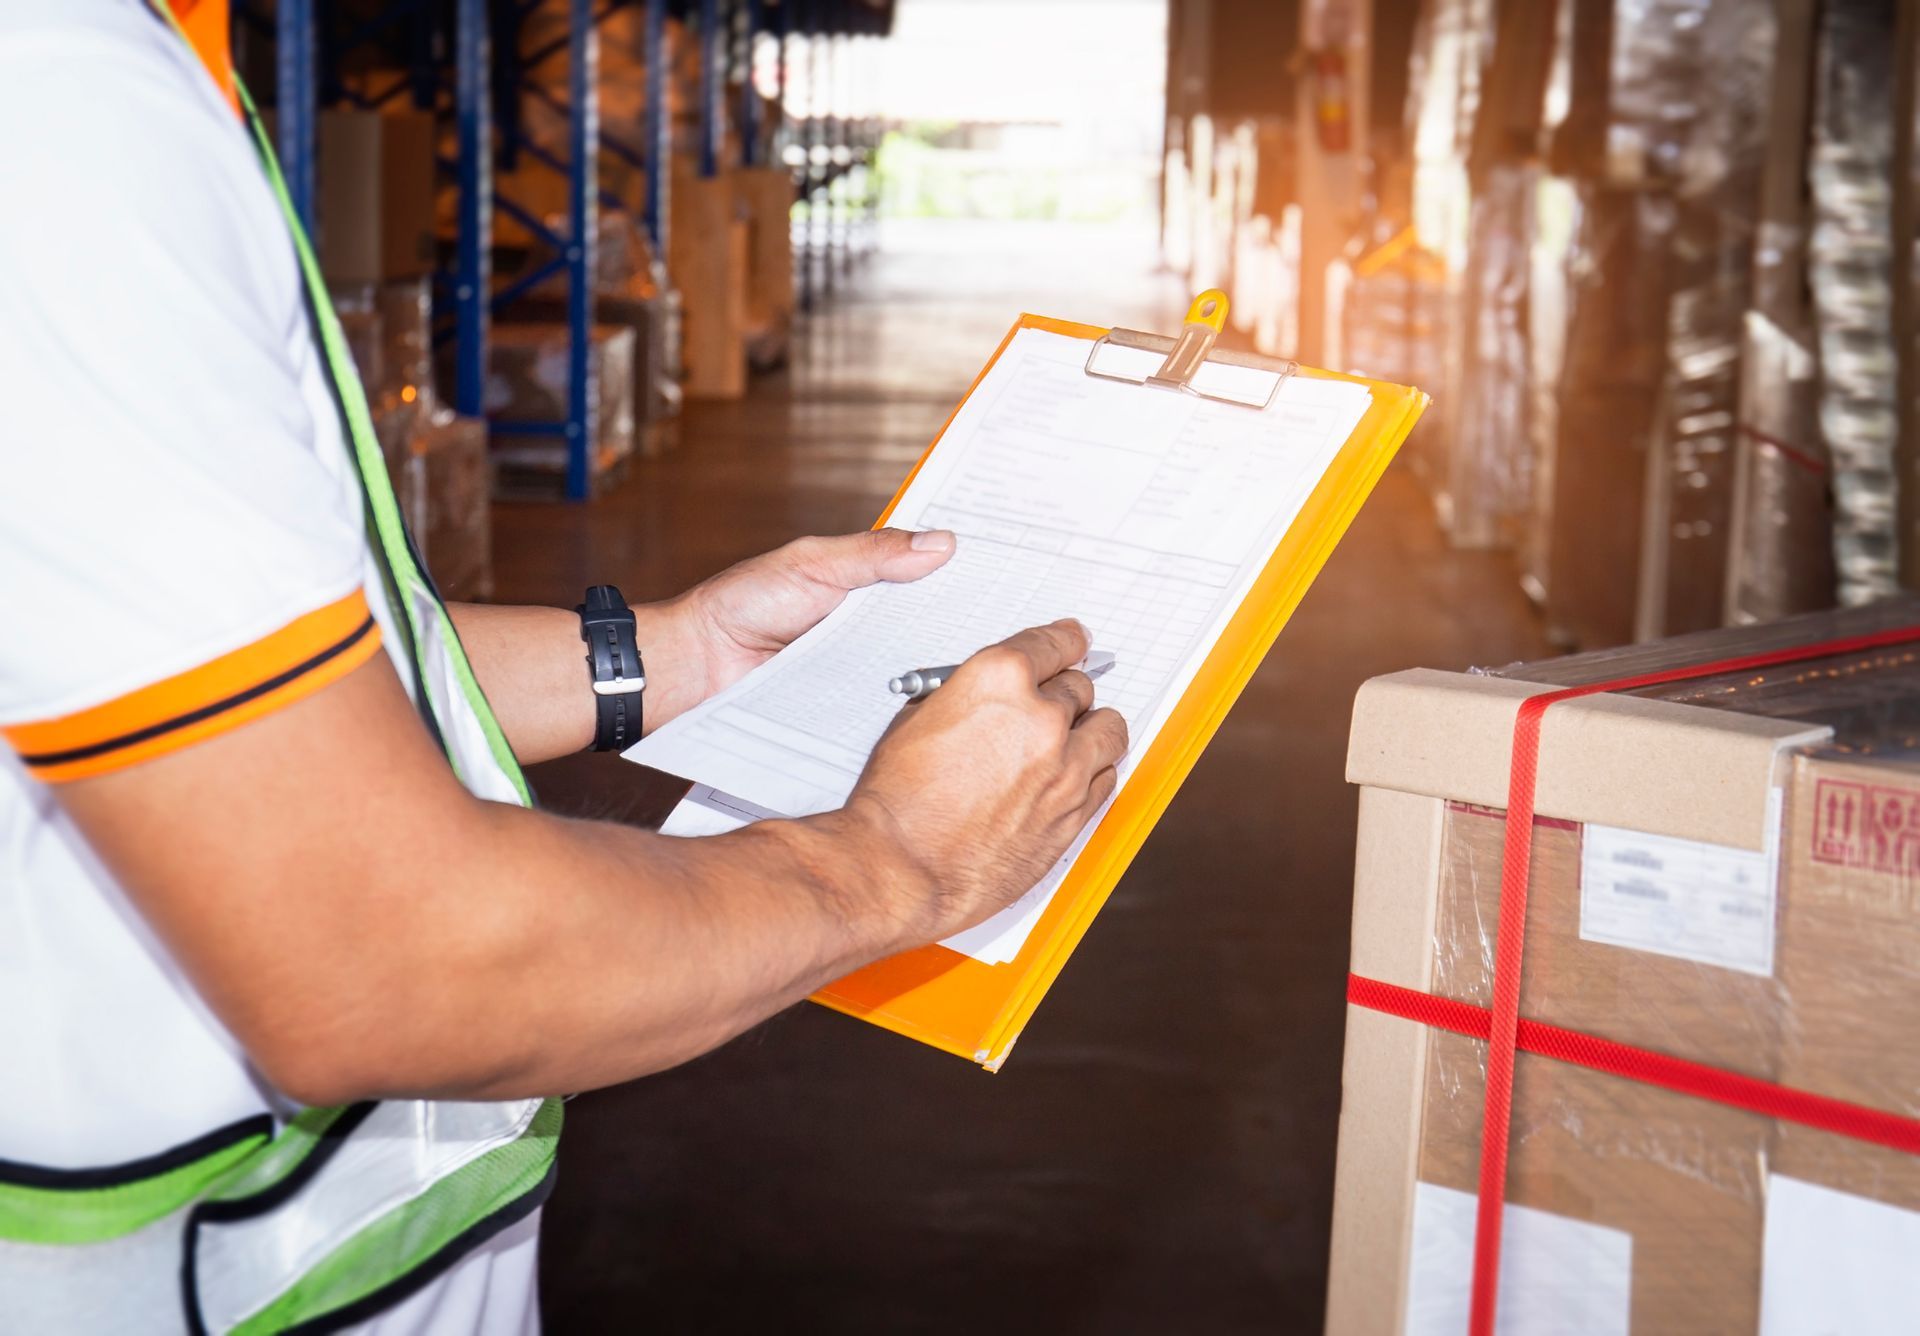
(1184, 356)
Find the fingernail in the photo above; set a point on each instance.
(932, 540)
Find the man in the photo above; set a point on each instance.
(283, 997)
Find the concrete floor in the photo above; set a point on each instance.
(1158, 1154)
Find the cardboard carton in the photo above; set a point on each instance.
(708, 245)
(376, 188)
(1671, 907)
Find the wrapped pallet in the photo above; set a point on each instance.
(1612, 361)
(707, 246)
(1486, 492)
(529, 384)
(1657, 166)
(1712, 59)
(1452, 44)
(631, 291)
(767, 198)
(1714, 1114)
(1780, 558)
(1852, 272)
(452, 519)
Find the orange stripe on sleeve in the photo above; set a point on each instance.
(297, 660)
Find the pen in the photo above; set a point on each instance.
(923, 681)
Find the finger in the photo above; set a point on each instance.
(1049, 649)
(1099, 789)
(1073, 689)
(1098, 741)
(855, 560)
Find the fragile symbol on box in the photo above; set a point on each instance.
(1866, 825)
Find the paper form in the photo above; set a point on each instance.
(1145, 513)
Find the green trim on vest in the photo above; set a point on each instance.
(389, 526)
(413, 1235)
(280, 1157)
(95, 1215)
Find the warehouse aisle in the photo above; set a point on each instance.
(1158, 1154)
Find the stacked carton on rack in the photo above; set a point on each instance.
(437, 460)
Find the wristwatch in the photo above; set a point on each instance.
(613, 656)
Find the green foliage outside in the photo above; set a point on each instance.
(925, 173)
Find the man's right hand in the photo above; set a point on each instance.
(985, 783)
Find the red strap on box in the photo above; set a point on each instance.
(1644, 1065)
(1503, 1017)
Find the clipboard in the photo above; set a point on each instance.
(977, 1010)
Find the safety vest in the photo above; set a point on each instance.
(333, 1217)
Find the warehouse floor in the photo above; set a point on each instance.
(1158, 1154)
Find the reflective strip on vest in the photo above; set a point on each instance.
(345, 1210)
(408, 1183)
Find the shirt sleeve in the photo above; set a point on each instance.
(177, 558)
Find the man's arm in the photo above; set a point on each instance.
(532, 664)
(367, 928)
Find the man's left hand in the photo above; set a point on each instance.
(748, 613)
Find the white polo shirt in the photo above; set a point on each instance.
(181, 551)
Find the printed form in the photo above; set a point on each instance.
(1145, 513)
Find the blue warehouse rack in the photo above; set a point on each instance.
(458, 49)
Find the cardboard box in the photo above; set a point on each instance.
(767, 197)
(376, 190)
(656, 384)
(1666, 910)
(708, 247)
(527, 382)
(456, 524)
(1850, 961)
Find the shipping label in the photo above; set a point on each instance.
(1707, 903)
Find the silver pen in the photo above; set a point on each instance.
(924, 681)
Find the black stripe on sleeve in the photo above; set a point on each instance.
(161, 729)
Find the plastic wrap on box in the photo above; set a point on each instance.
(1450, 45)
(1851, 270)
(1488, 485)
(527, 382)
(657, 398)
(1613, 360)
(1683, 1180)
(1556, 215)
(1450, 51)
(1638, 1208)
(1698, 98)
(406, 341)
(1389, 317)
(455, 527)
(1780, 548)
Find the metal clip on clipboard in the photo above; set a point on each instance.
(1190, 363)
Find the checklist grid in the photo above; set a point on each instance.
(1146, 608)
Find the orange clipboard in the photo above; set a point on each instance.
(966, 1007)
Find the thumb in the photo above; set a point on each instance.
(859, 559)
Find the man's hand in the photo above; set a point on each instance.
(748, 613)
(532, 666)
(986, 782)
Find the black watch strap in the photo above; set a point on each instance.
(613, 657)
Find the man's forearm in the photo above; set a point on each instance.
(532, 664)
(366, 927)
(604, 953)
